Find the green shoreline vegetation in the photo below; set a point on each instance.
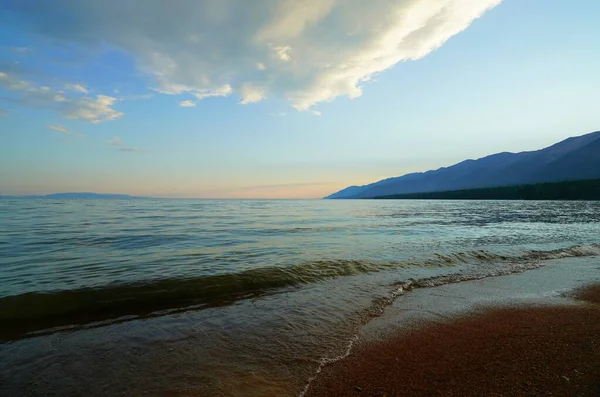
(569, 190)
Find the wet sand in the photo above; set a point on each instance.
(517, 350)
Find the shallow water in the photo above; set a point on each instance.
(237, 297)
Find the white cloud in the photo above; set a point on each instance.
(307, 51)
(59, 128)
(94, 110)
(77, 87)
(72, 105)
(252, 93)
(224, 90)
(12, 83)
(116, 141)
(21, 50)
(283, 52)
(187, 104)
(316, 112)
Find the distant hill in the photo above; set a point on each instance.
(61, 196)
(574, 158)
(570, 190)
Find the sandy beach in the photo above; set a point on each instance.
(513, 350)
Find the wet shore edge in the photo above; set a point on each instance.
(516, 349)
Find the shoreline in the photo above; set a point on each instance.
(175, 354)
(512, 349)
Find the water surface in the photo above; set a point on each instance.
(237, 297)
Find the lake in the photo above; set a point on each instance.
(237, 297)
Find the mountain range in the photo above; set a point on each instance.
(575, 158)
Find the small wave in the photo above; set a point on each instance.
(327, 361)
(510, 265)
(37, 310)
(571, 252)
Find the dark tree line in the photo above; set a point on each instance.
(570, 190)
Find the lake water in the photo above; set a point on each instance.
(237, 297)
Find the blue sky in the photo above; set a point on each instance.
(284, 98)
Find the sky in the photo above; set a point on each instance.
(282, 98)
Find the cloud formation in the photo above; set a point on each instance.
(187, 104)
(118, 143)
(59, 128)
(77, 87)
(21, 50)
(70, 104)
(307, 51)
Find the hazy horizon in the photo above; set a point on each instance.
(108, 193)
(226, 100)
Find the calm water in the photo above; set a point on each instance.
(233, 297)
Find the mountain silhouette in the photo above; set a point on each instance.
(574, 158)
